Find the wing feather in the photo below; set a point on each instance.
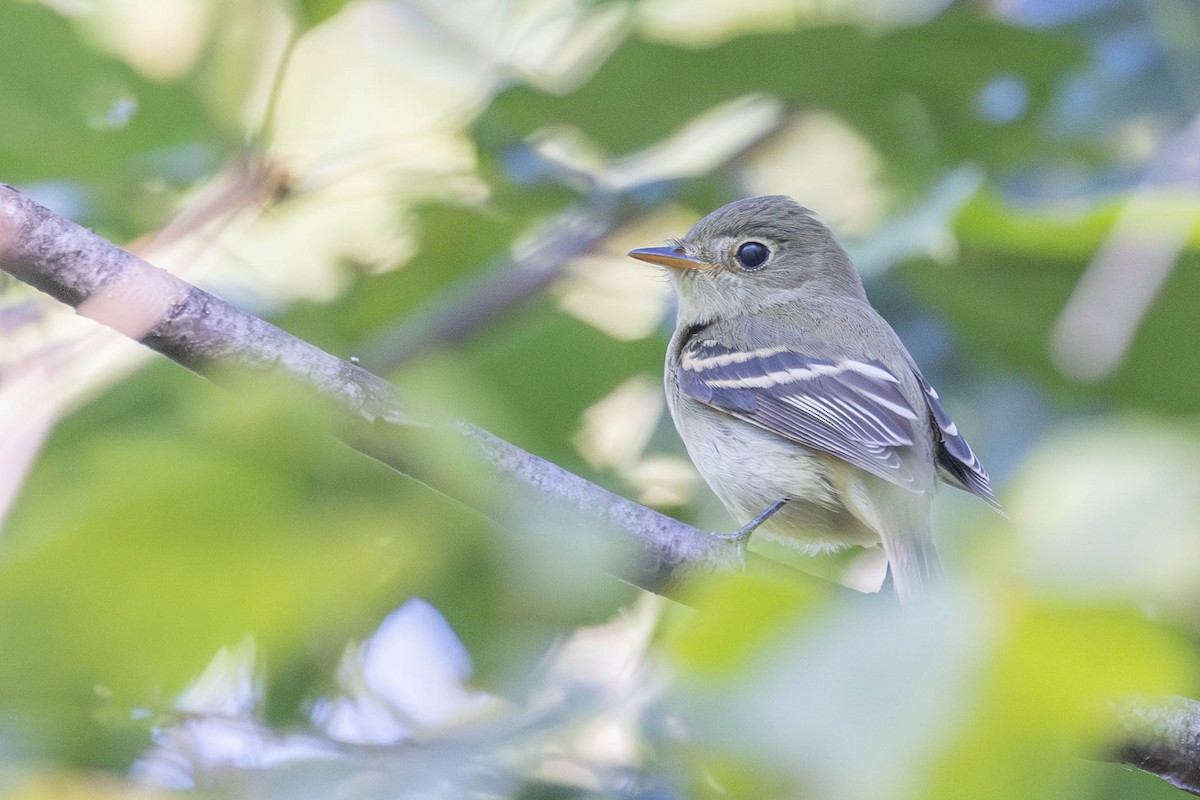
(849, 408)
(957, 463)
(852, 409)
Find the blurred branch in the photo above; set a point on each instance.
(217, 340)
(1162, 738)
(472, 305)
(628, 187)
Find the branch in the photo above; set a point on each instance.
(217, 340)
(1162, 738)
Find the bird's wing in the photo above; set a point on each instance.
(852, 409)
(957, 463)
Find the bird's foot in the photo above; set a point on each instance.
(741, 537)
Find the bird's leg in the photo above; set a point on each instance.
(741, 536)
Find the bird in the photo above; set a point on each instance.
(797, 402)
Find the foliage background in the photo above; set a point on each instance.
(1016, 179)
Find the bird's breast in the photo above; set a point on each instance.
(749, 468)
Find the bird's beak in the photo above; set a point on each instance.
(670, 257)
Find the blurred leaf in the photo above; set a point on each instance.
(138, 551)
(550, 367)
(929, 77)
(848, 703)
(738, 615)
(86, 117)
(454, 241)
(1107, 513)
(963, 692)
(1045, 701)
(457, 243)
(1015, 273)
(77, 786)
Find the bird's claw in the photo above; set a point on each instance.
(741, 537)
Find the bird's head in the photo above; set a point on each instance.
(751, 254)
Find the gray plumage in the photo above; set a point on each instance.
(784, 382)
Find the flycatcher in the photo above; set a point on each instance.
(797, 402)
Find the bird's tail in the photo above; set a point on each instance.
(904, 521)
(912, 557)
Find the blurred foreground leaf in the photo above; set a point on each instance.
(139, 550)
(969, 692)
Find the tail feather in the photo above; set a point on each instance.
(904, 521)
(912, 558)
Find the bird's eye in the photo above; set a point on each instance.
(751, 255)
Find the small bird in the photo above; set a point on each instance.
(797, 402)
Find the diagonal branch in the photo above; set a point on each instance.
(214, 338)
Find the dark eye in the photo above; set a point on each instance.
(751, 255)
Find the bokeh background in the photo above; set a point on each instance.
(202, 590)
